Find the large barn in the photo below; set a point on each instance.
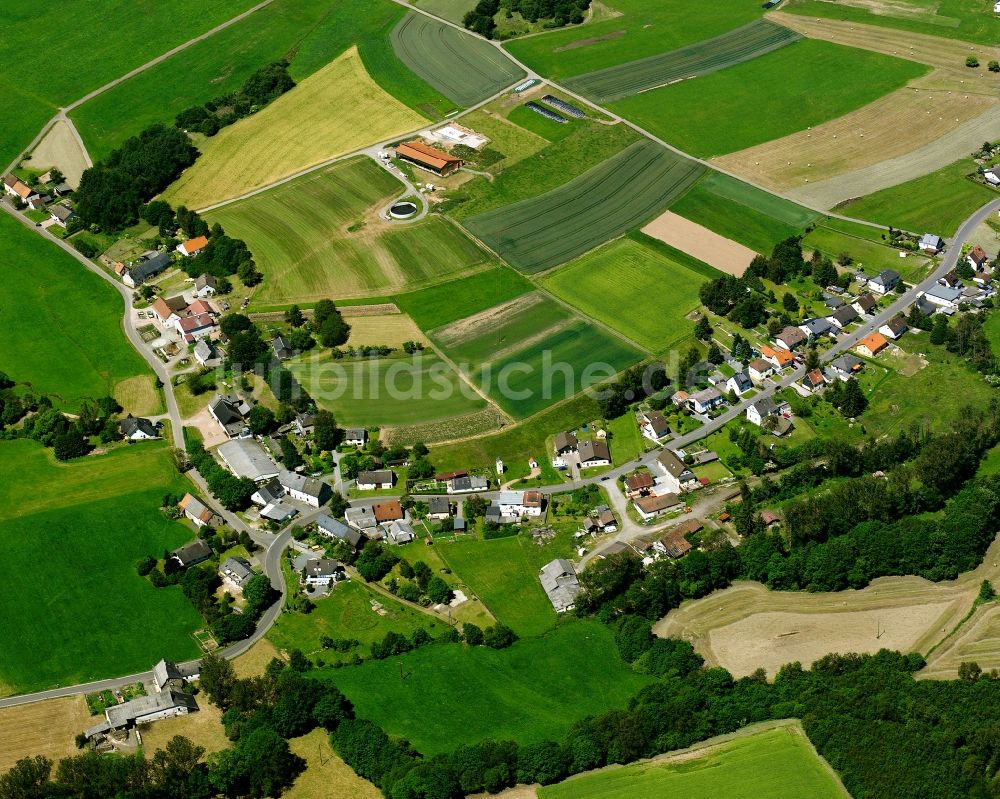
(430, 158)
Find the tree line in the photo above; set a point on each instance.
(266, 84)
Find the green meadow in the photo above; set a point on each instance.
(438, 305)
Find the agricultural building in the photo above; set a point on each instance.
(430, 158)
(560, 583)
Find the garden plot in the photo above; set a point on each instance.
(699, 242)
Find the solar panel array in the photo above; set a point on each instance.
(563, 106)
(545, 112)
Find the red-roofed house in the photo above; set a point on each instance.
(192, 246)
(430, 158)
(193, 328)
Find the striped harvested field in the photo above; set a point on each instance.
(625, 191)
(634, 77)
(464, 68)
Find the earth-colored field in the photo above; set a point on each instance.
(634, 77)
(70, 345)
(388, 329)
(61, 148)
(771, 760)
(203, 728)
(658, 291)
(699, 242)
(326, 775)
(90, 520)
(604, 202)
(746, 626)
(463, 67)
(139, 396)
(817, 83)
(533, 690)
(335, 111)
(320, 236)
(42, 728)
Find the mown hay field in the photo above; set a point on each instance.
(138, 395)
(532, 691)
(701, 243)
(606, 201)
(638, 290)
(335, 111)
(463, 67)
(61, 149)
(392, 330)
(776, 763)
(90, 521)
(633, 77)
(320, 237)
(787, 90)
(326, 775)
(42, 728)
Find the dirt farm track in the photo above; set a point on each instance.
(747, 626)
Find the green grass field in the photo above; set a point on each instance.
(785, 91)
(635, 289)
(310, 34)
(68, 341)
(452, 10)
(438, 305)
(69, 539)
(633, 77)
(741, 212)
(867, 254)
(296, 231)
(772, 764)
(938, 202)
(463, 67)
(642, 28)
(604, 202)
(386, 391)
(532, 691)
(967, 20)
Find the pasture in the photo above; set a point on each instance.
(774, 760)
(638, 290)
(640, 28)
(332, 112)
(872, 256)
(203, 728)
(606, 201)
(463, 67)
(787, 90)
(513, 141)
(439, 305)
(299, 230)
(90, 520)
(42, 728)
(139, 396)
(634, 77)
(530, 692)
(385, 391)
(308, 34)
(70, 345)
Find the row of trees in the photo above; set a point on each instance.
(556, 13)
(266, 84)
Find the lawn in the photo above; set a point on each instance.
(626, 440)
(772, 764)
(606, 201)
(785, 91)
(747, 215)
(335, 111)
(643, 28)
(68, 343)
(88, 522)
(438, 305)
(938, 202)
(464, 68)
(657, 291)
(513, 141)
(871, 256)
(530, 692)
(386, 391)
(309, 34)
(296, 231)
(634, 77)
(347, 613)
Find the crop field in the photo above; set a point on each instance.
(299, 230)
(775, 763)
(657, 291)
(532, 691)
(604, 202)
(463, 67)
(804, 84)
(701, 243)
(392, 330)
(940, 201)
(452, 10)
(393, 390)
(439, 305)
(42, 728)
(309, 34)
(334, 111)
(634, 77)
(70, 345)
(91, 520)
(640, 28)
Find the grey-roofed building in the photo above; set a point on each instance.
(362, 518)
(846, 365)
(814, 328)
(144, 710)
(195, 510)
(705, 400)
(761, 410)
(167, 675)
(355, 437)
(246, 458)
(235, 572)
(790, 338)
(843, 316)
(150, 263)
(331, 528)
(398, 532)
(136, 428)
(278, 512)
(268, 493)
(885, 281)
(931, 243)
(943, 296)
(205, 285)
(374, 480)
(565, 442)
(465, 485)
(594, 453)
(323, 571)
(192, 554)
(677, 475)
(282, 348)
(438, 508)
(204, 351)
(230, 412)
(560, 583)
(739, 383)
(309, 490)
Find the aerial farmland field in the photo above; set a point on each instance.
(296, 231)
(452, 10)
(657, 290)
(633, 77)
(606, 201)
(803, 84)
(463, 67)
(90, 520)
(438, 305)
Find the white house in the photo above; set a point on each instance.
(865, 304)
(192, 328)
(193, 246)
(323, 571)
(894, 328)
(594, 453)
(517, 504)
(331, 528)
(650, 507)
(790, 338)
(739, 383)
(193, 509)
(398, 532)
(943, 296)
(235, 572)
(138, 429)
(931, 244)
(467, 484)
(654, 425)
(761, 410)
(355, 437)
(204, 351)
(885, 281)
(677, 477)
(309, 490)
(760, 370)
(381, 479)
(205, 286)
(705, 400)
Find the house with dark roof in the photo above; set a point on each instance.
(355, 437)
(230, 412)
(676, 474)
(895, 327)
(846, 366)
(144, 710)
(337, 530)
(740, 383)
(865, 304)
(235, 572)
(136, 428)
(282, 348)
(311, 491)
(594, 453)
(560, 583)
(565, 442)
(843, 316)
(192, 554)
(205, 285)
(149, 264)
(638, 484)
(323, 571)
(814, 380)
(381, 479)
(467, 484)
(814, 328)
(654, 425)
(759, 369)
(977, 258)
(61, 214)
(438, 508)
(195, 510)
(761, 410)
(268, 493)
(790, 338)
(884, 282)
